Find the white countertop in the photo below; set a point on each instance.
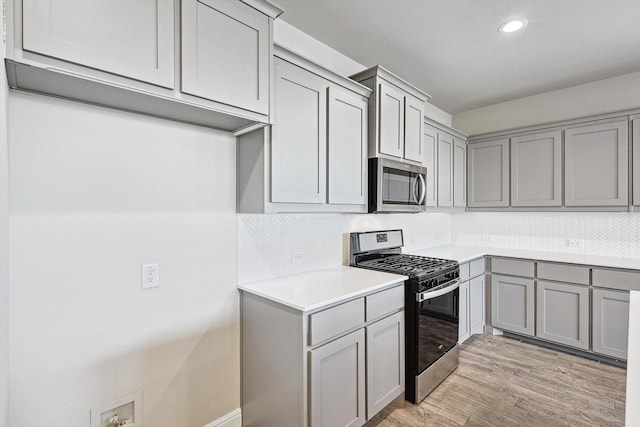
(468, 253)
(632, 414)
(316, 289)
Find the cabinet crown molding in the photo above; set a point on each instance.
(383, 73)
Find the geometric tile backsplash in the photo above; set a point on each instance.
(593, 233)
(266, 242)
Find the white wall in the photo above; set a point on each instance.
(4, 255)
(604, 96)
(94, 194)
(303, 44)
(265, 242)
(602, 233)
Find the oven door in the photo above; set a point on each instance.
(437, 311)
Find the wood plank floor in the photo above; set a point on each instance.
(505, 382)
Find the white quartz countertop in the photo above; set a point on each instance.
(632, 409)
(468, 253)
(316, 289)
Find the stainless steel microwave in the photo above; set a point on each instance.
(396, 186)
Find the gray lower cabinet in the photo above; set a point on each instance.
(472, 299)
(610, 322)
(536, 169)
(563, 313)
(385, 362)
(596, 165)
(488, 178)
(337, 382)
(513, 304)
(332, 367)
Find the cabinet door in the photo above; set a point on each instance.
(413, 128)
(445, 169)
(338, 382)
(610, 322)
(476, 305)
(563, 313)
(459, 173)
(636, 161)
(596, 165)
(512, 304)
(391, 120)
(347, 147)
(488, 183)
(298, 146)
(430, 161)
(385, 362)
(225, 53)
(536, 170)
(464, 326)
(132, 38)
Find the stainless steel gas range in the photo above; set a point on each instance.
(431, 306)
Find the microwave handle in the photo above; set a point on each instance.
(414, 192)
(423, 191)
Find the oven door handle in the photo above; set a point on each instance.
(439, 291)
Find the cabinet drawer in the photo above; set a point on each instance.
(512, 267)
(476, 268)
(616, 279)
(563, 273)
(385, 302)
(335, 320)
(464, 272)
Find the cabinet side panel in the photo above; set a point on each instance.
(251, 174)
(272, 364)
(636, 161)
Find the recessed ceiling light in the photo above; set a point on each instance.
(514, 25)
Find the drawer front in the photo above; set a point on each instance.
(335, 320)
(563, 273)
(464, 272)
(476, 268)
(385, 302)
(616, 279)
(512, 267)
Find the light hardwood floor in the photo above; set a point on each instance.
(505, 382)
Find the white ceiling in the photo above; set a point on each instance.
(452, 49)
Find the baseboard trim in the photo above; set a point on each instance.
(232, 419)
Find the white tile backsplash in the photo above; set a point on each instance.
(593, 233)
(266, 242)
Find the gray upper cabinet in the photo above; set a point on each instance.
(445, 170)
(226, 53)
(596, 165)
(413, 128)
(133, 39)
(430, 161)
(536, 169)
(563, 313)
(636, 161)
(205, 62)
(299, 136)
(488, 184)
(396, 115)
(347, 147)
(459, 173)
(313, 158)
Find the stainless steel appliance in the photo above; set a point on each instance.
(396, 186)
(431, 306)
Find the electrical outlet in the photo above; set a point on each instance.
(575, 243)
(486, 238)
(296, 257)
(150, 276)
